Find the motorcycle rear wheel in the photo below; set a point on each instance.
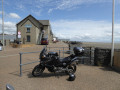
(38, 70)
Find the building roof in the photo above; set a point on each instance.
(35, 21)
(44, 22)
(32, 19)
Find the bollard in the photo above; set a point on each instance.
(9, 87)
(59, 53)
(49, 48)
(90, 54)
(82, 60)
(63, 52)
(20, 64)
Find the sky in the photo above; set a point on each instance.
(77, 20)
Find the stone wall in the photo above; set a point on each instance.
(102, 56)
(116, 63)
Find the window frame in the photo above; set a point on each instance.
(28, 30)
(28, 40)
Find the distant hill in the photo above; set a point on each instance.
(7, 34)
(4, 34)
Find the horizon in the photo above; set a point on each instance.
(14, 37)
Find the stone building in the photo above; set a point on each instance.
(31, 31)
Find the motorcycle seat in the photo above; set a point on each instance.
(66, 59)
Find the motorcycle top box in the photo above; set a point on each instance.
(78, 51)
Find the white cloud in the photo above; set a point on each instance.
(9, 27)
(21, 7)
(51, 5)
(36, 12)
(11, 15)
(85, 30)
(50, 10)
(14, 15)
(34, 5)
(70, 4)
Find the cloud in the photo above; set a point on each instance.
(70, 4)
(14, 15)
(50, 5)
(21, 7)
(50, 10)
(33, 5)
(9, 27)
(36, 12)
(85, 30)
(11, 15)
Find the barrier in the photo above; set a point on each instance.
(48, 49)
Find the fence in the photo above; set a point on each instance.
(87, 58)
(26, 63)
(98, 55)
(48, 49)
(102, 56)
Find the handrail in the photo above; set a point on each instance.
(21, 53)
(48, 49)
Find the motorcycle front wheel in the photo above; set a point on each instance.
(38, 70)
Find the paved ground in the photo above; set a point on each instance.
(87, 77)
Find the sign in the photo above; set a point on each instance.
(19, 36)
(28, 25)
(19, 33)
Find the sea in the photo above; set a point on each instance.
(8, 37)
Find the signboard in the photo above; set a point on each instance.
(19, 33)
(19, 36)
(28, 25)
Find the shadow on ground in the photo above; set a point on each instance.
(17, 73)
(46, 75)
(107, 68)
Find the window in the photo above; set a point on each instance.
(28, 30)
(28, 38)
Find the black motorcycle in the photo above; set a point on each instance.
(53, 63)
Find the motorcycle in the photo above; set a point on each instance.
(53, 63)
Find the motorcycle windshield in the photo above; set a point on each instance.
(42, 52)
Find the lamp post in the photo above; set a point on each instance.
(2, 25)
(112, 49)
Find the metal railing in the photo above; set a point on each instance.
(26, 63)
(48, 49)
(63, 49)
